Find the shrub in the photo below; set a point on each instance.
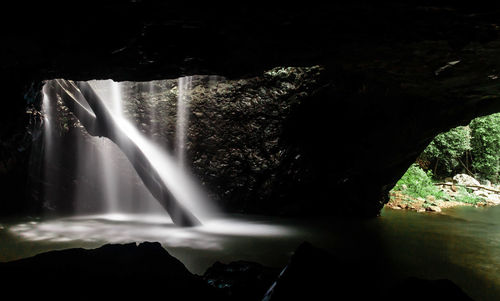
(465, 196)
(419, 184)
(485, 141)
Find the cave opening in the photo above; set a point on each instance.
(446, 204)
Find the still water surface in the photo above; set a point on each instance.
(462, 245)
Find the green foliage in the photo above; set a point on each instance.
(447, 148)
(478, 144)
(485, 141)
(466, 196)
(418, 183)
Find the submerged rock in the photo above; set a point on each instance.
(433, 209)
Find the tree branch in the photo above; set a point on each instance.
(469, 186)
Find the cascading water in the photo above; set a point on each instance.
(183, 99)
(117, 186)
(48, 147)
(103, 162)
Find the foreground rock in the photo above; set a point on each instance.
(112, 272)
(241, 280)
(147, 272)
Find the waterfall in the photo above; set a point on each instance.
(183, 100)
(110, 177)
(48, 149)
(104, 171)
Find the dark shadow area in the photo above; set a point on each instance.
(129, 272)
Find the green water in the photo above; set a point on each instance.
(462, 245)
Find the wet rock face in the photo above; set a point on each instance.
(236, 142)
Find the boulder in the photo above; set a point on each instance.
(111, 272)
(482, 193)
(493, 199)
(431, 198)
(464, 179)
(241, 280)
(433, 209)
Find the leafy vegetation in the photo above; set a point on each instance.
(472, 149)
(485, 142)
(418, 184)
(448, 148)
(466, 196)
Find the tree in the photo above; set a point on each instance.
(447, 149)
(485, 142)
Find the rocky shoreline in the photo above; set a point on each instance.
(487, 195)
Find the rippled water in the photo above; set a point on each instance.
(462, 245)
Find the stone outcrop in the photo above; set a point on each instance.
(465, 180)
(112, 272)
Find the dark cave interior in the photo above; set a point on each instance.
(374, 83)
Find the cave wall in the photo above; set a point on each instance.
(237, 140)
(396, 74)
